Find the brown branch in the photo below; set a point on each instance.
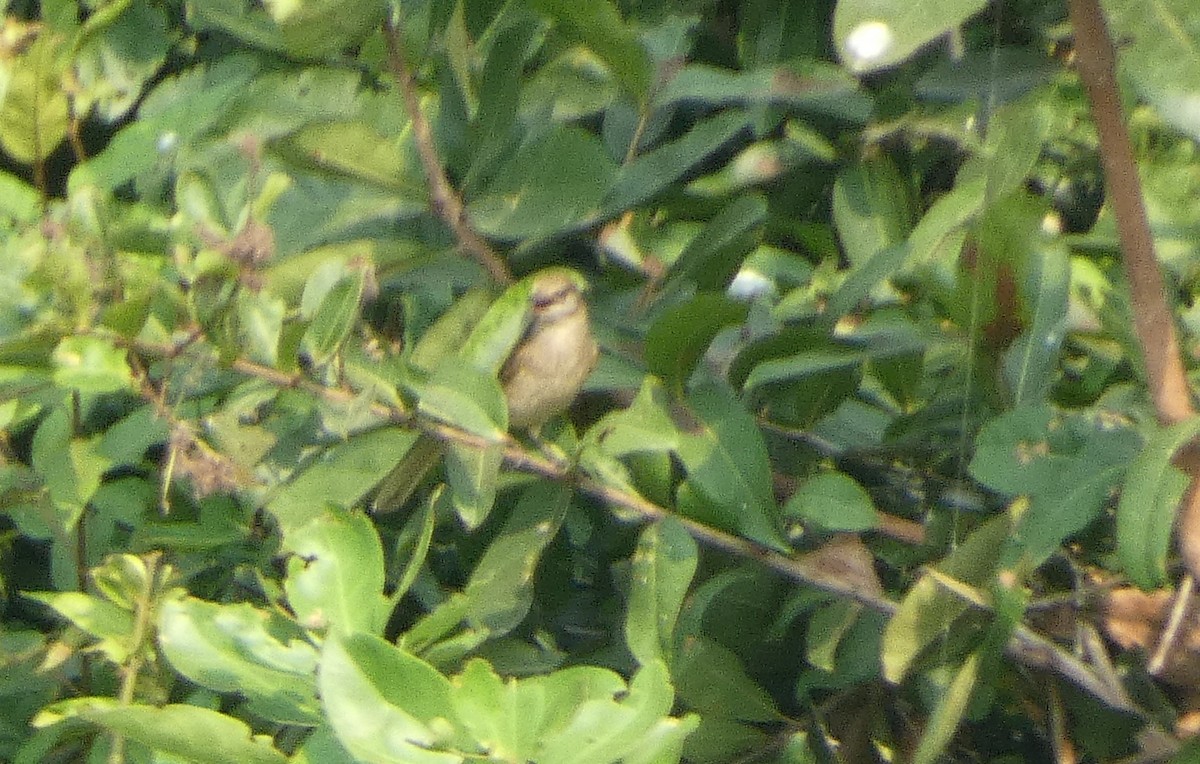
(1153, 321)
(1026, 647)
(442, 196)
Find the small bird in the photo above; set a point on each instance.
(540, 378)
(554, 357)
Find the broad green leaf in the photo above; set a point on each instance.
(260, 323)
(871, 208)
(652, 173)
(811, 86)
(552, 185)
(928, 610)
(663, 566)
(189, 733)
(726, 462)
(875, 34)
(599, 25)
(500, 590)
(1158, 53)
(646, 426)
(446, 336)
(118, 56)
(1149, 501)
(606, 730)
(1031, 364)
(70, 467)
(505, 715)
(335, 573)
(949, 712)
(358, 151)
(319, 28)
(385, 705)
(19, 202)
(334, 317)
(461, 395)
(713, 680)
(341, 475)
(678, 339)
(798, 376)
(472, 474)
(833, 501)
(35, 112)
(1023, 451)
(714, 256)
(241, 649)
(105, 620)
(91, 365)
(827, 625)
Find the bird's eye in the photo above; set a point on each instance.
(541, 301)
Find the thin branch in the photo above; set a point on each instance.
(1152, 318)
(1026, 647)
(442, 196)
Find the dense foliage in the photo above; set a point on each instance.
(874, 465)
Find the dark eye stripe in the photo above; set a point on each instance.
(546, 300)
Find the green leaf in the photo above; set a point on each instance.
(500, 590)
(814, 86)
(551, 185)
(70, 467)
(118, 56)
(1149, 502)
(678, 339)
(599, 25)
(652, 173)
(949, 712)
(384, 704)
(260, 323)
(334, 317)
(1158, 53)
(357, 150)
(465, 397)
(1031, 363)
(472, 474)
(646, 426)
(335, 573)
(871, 208)
(187, 732)
(1023, 451)
(35, 112)
(91, 365)
(713, 680)
(833, 501)
(108, 622)
(928, 610)
(715, 254)
(726, 461)
(663, 566)
(341, 475)
(873, 35)
(242, 649)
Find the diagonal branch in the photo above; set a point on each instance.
(442, 196)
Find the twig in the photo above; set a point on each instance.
(442, 196)
(1153, 322)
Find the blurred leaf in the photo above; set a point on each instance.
(260, 322)
(813, 86)
(599, 25)
(1031, 363)
(356, 150)
(335, 573)
(726, 461)
(928, 610)
(833, 501)
(187, 732)
(1148, 504)
(384, 704)
(91, 365)
(465, 397)
(871, 35)
(552, 185)
(715, 254)
(678, 339)
(871, 208)
(713, 680)
(341, 475)
(827, 625)
(35, 112)
(108, 622)
(118, 56)
(663, 567)
(334, 317)
(70, 467)
(241, 649)
(500, 590)
(651, 173)
(472, 474)
(645, 426)
(949, 712)
(1158, 53)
